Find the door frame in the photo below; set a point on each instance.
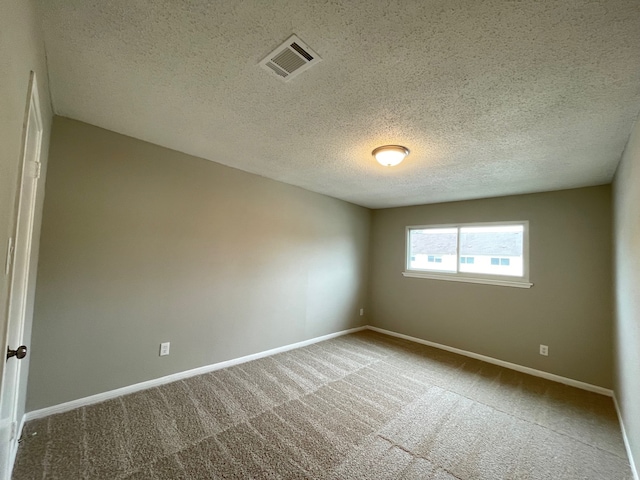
(22, 241)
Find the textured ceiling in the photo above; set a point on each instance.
(492, 97)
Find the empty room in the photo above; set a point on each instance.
(320, 240)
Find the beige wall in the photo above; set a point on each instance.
(21, 51)
(568, 308)
(142, 245)
(626, 188)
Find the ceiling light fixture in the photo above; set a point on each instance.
(390, 155)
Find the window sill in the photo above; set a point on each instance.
(460, 278)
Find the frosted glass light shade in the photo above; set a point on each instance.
(390, 155)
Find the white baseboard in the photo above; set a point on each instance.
(101, 397)
(627, 446)
(502, 363)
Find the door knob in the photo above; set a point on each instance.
(19, 352)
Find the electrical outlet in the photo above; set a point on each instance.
(164, 348)
(361, 311)
(544, 350)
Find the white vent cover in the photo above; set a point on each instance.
(290, 59)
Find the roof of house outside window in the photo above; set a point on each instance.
(440, 244)
(504, 244)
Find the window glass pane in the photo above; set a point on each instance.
(433, 249)
(496, 250)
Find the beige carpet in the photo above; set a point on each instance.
(362, 406)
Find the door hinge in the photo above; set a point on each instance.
(14, 432)
(36, 168)
(10, 250)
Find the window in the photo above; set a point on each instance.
(500, 261)
(495, 253)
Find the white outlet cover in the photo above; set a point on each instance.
(164, 348)
(361, 311)
(544, 350)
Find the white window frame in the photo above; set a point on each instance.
(488, 279)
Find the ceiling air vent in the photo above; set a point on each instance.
(290, 59)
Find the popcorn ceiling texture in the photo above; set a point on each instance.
(492, 98)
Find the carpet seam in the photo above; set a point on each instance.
(415, 455)
(517, 417)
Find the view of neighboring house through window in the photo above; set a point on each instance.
(500, 261)
(475, 251)
(434, 249)
(496, 249)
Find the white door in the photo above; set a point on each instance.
(17, 270)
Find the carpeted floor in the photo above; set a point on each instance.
(362, 406)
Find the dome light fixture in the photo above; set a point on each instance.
(390, 155)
